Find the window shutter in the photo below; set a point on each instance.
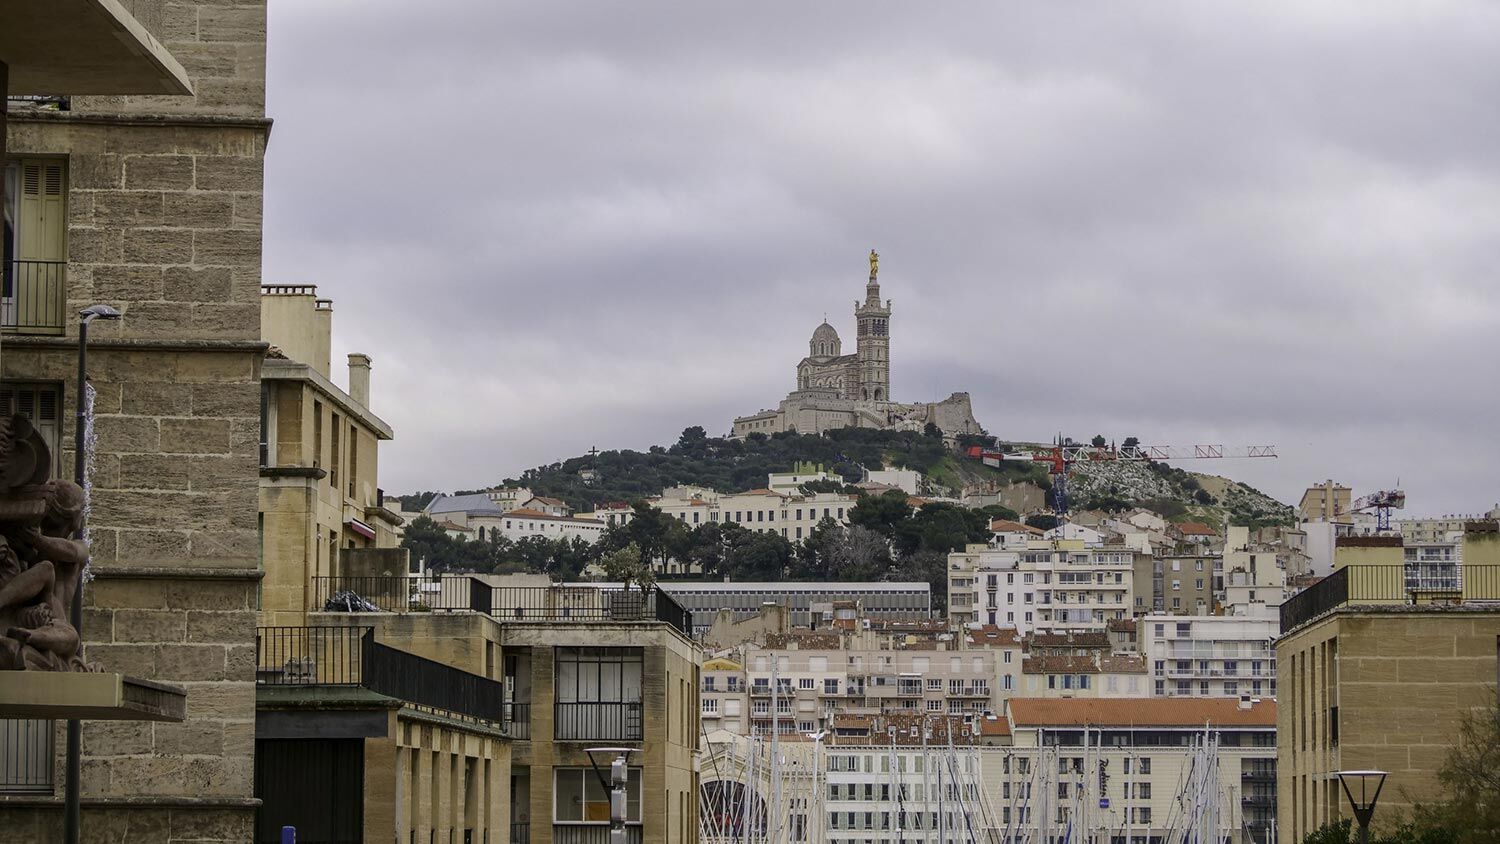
(42, 228)
(38, 404)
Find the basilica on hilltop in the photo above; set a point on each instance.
(835, 390)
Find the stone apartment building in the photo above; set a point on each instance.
(1378, 665)
(322, 512)
(151, 204)
(470, 709)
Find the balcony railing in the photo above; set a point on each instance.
(350, 656)
(517, 722)
(31, 296)
(1391, 584)
(596, 721)
(591, 834)
(520, 833)
(463, 593)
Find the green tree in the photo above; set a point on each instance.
(629, 566)
(1131, 442)
(1099, 441)
(941, 528)
(1042, 521)
(881, 513)
(427, 542)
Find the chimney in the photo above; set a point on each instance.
(359, 379)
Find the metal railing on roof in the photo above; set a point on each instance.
(1408, 583)
(464, 593)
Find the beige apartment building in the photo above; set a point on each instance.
(1326, 502)
(323, 514)
(149, 203)
(1378, 665)
(494, 690)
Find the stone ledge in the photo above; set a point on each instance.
(199, 120)
(70, 343)
(173, 573)
(88, 696)
(311, 472)
(43, 802)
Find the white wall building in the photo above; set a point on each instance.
(1210, 656)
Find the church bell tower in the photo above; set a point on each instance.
(874, 340)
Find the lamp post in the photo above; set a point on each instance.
(73, 787)
(1363, 789)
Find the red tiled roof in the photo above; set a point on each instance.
(550, 502)
(1008, 526)
(1140, 712)
(991, 634)
(994, 727)
(1196, 529)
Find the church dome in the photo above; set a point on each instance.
(825, 342)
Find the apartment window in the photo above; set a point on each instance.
(1143, 814)
(934, 684)
(34, 247)
(1203, 687)
(333, 459)
(1184, 628)
(317, 457)
(1176, 585)
(1143, 790)
(830, 686)
(39, 403)
(1198, 584)
(1007, 657)
(1176, 603)
(710, 706)
(26, 748)
(1144, 765)
(708, 683)
(1231, 688)
(580, 797)
(1184, 687)
(598, 693)
(1200, 565)
(1161, 688)
(805, 683)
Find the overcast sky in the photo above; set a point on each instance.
(558, 225)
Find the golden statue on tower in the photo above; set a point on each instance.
(874, 264)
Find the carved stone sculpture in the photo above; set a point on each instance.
(41, 563)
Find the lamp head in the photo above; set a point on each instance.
(93, 312)
(1363, 790)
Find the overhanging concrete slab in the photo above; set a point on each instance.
(87, 696)
(83, 47)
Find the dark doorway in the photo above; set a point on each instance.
(316, 785)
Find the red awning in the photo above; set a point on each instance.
(360, 528)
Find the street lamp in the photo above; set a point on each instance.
(1363, 789)
(72, 789)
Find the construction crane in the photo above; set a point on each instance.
(1062, 455)
(1382, 502)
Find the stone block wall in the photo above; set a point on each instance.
(164, 223)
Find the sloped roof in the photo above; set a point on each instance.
(1196, 529)
(474, 502)
(991, 634)
(1008, 526)
(1140, 712)
(550, 502)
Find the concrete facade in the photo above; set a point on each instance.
(1381, 688)
(157, 204)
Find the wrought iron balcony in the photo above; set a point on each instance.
(32, 296)
(350, 656)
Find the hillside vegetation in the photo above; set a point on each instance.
(727, 465)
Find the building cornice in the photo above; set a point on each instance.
(282, 369)
(70, 344)
(309, 472)
(195, 121)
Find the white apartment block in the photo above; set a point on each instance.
(800, 690)
(1046, 770)
(790, 514)
(1210, 656)
(1048, 585)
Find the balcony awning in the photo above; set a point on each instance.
(360, 528)
(84, 47)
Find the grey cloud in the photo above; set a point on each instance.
(596, 224)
